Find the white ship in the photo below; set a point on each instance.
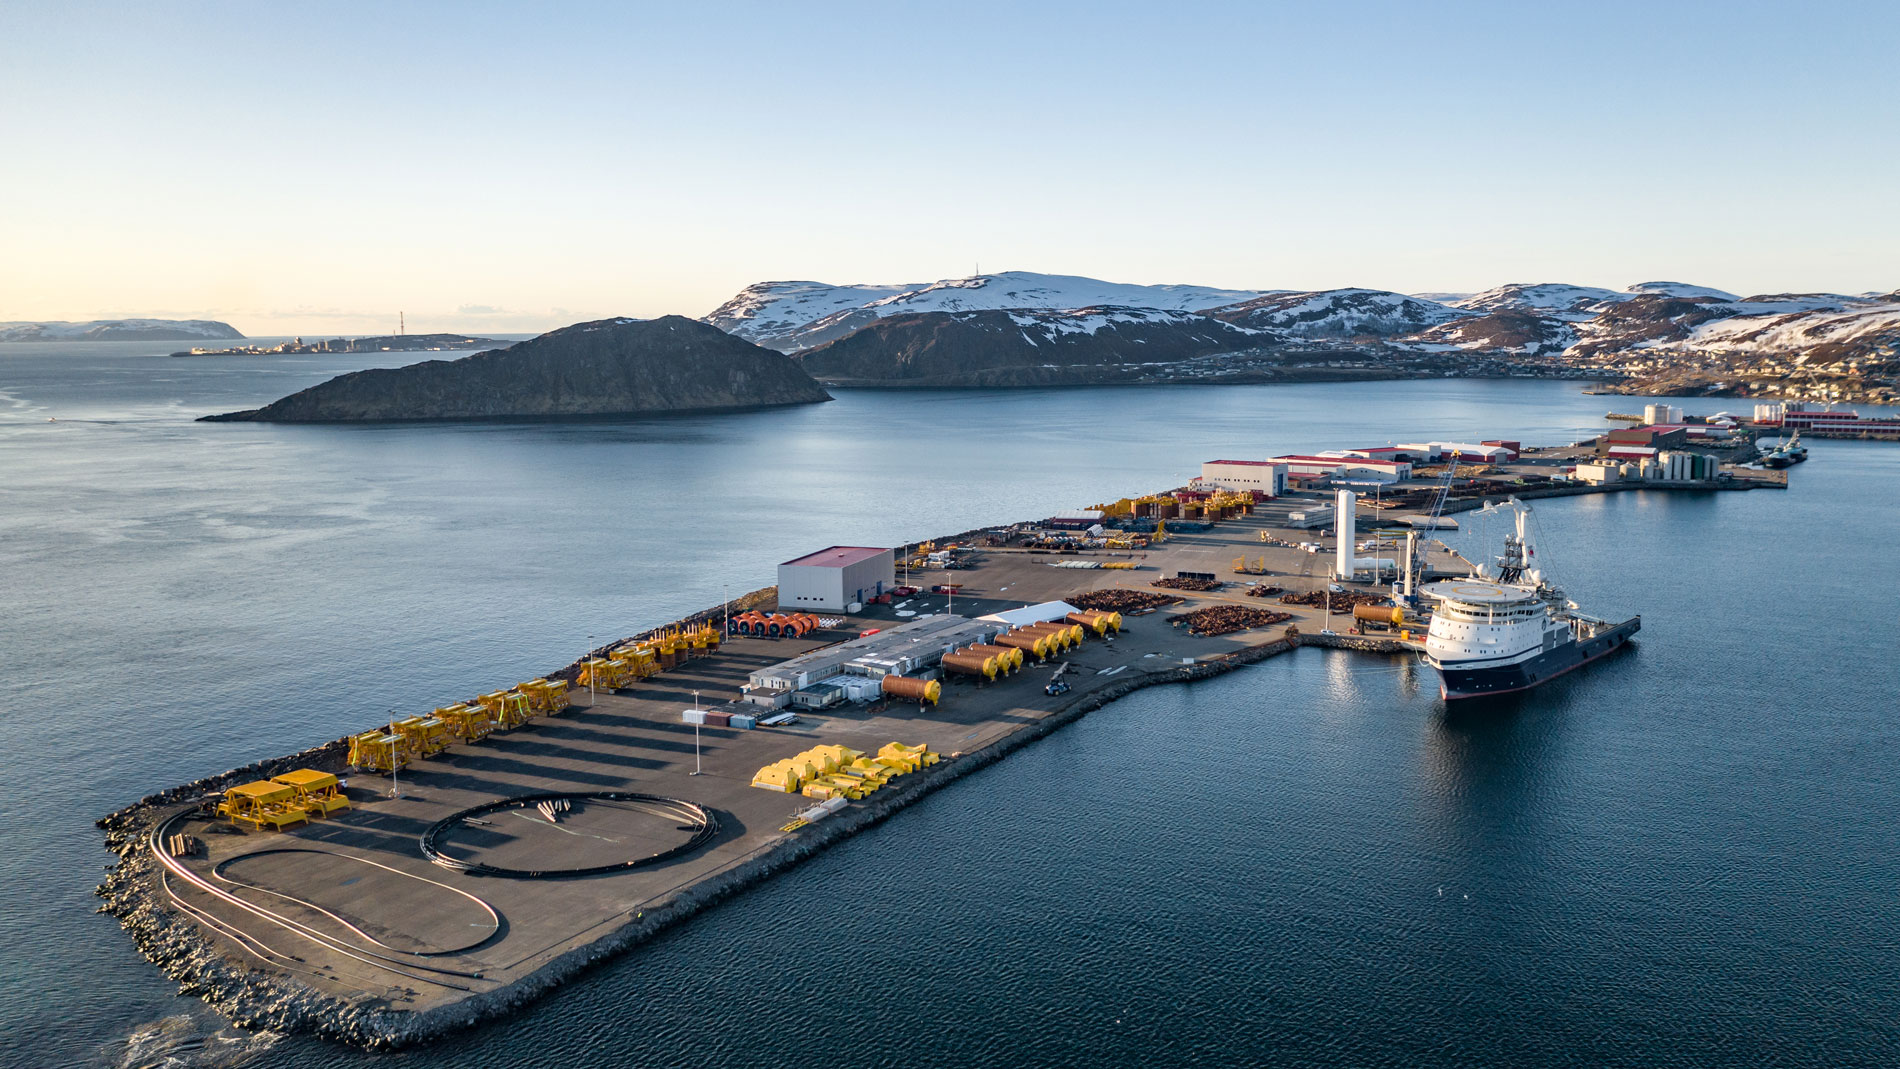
(1506, 629)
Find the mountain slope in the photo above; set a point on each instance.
(1004, 347)
(120, 330)
(1514, 331)
(1823, 334)
(1557, 299)
(770, 313)
(799, 315)
(609, 367)
(1344, 313)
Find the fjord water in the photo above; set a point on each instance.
(1684, 854)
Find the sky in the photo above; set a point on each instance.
(311, 168)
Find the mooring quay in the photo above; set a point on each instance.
(484, 872)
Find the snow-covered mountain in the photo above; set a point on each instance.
(1680, 289)
(1013, 328)
(791, 316)
(119, 330)
(771, 313)
(1347, 313)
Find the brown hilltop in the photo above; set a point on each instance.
(606, 368)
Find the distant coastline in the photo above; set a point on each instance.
(383, 343)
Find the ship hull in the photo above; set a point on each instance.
(1456, 682)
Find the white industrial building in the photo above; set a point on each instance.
(1043, 613)
(835, 578)
(1265, 477)
(1469, 452)
(1355, 468)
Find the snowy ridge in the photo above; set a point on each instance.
(792, 316)
(1027, 289)
(118, 330)
(1525, 319)
(767, 313)
(1558, 299)
(1680, 289)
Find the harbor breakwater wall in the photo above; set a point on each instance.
(135, 890)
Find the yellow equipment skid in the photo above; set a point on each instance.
(263, 805)
(318, 793)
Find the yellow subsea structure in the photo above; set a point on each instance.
(833, 771)
(379, 751)
(319, 794)
(263, 805)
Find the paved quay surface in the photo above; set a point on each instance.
(365, 868)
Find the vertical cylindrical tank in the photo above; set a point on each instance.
(1346, 512)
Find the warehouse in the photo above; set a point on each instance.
(836, 578)
(1357, 468)
(1046, 612)
(1265, 477)
(899, 650)
(1645, 437)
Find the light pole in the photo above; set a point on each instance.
(696, 767)
(395, 757)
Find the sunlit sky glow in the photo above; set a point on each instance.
(308, 168)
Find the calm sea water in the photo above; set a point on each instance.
(1686, 855)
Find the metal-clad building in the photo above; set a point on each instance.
(834, 578)
(898, 650)
(1262, 476)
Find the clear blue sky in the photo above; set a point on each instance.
(312, 167)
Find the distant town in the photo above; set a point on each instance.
(386, 343)
(1868, 377)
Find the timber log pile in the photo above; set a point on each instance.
(1182, 583)
(1343, 601)
(1121, 601)
(1226, 619)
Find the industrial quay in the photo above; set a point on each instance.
(445, 867)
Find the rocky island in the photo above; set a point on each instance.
(611, 367)
(119, 330)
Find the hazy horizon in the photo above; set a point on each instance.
(482, 168)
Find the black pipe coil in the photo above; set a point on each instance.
(708, 829)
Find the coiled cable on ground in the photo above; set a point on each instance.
(697, 818)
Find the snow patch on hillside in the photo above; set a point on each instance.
(1560, 299)
(1340, 313)
(1092, 320)
(1796, 331)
